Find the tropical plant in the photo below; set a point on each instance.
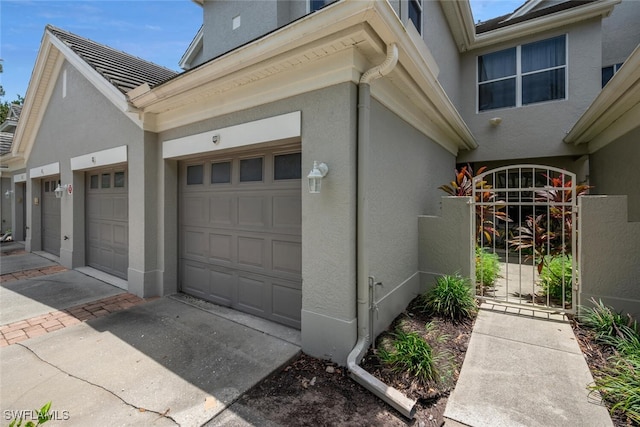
(550, 233)
(487, 213)
(451, 298)
(619, 384)
(608, 324)
(556, 276)
(487, 267)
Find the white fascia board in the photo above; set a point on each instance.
(285, 126)
(21, 177)
(544, 23)
(192, 50)
(111, 156)
(45, 170)
(620, 95)
(45, 71)
(109, 91)
(624, 124)
(525, 8)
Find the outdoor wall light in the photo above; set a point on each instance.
(315, 176)
(495, 121)
(8, 194)
(59, 191)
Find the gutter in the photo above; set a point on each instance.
(388, 394)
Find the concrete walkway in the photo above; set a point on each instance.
(523, 369)
(169, 361)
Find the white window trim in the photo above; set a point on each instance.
(519, 74)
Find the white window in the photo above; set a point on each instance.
(415, 14)
(526, 74)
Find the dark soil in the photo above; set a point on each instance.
(312, 392)
(597, 356)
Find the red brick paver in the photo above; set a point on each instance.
(20, 275)
(52, 321)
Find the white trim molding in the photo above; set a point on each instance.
(21, 177)
(101, 158)
(45, 170)
(277, 128)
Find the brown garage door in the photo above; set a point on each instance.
(240, 233)
(107, 221)
(50, 216)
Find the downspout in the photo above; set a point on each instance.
(388, 394)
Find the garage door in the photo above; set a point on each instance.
(240, 233)
(50, 216)
(107, 221)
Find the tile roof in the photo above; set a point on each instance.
(6, 138)
(14, 111)
(122, 70)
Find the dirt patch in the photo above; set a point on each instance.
(312, 392)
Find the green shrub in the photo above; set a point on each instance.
(487, 267)
(555, 269)
(619, 384)
(452, 298)
(43, 417)
(605, 322)
(412, 354)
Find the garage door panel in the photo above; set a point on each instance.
(107, 226)
(253, 238)
(251, 294)
(251, 251)
(287, 303)
(120, 208)
(251, 211)
(221, 210)
(221, 285)
(195, 279)
(287, 212)
(195, 243)
(194, 210)
(287, 256)
(221, 247)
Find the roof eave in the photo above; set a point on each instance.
(615, 110)
(338, 17)
(192, 50)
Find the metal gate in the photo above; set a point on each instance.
(525, 235)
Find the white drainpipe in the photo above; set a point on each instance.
(389, 394)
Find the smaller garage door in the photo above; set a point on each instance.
(107, 222)
(50, 216)
(240, 233)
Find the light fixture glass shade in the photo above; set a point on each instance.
(59, 191)
(315, 176)
(7, 195)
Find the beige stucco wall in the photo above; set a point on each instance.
(534, 130)
(406, 170)
(614, 171)
(609, 253)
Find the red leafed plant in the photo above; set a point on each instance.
(485, 214)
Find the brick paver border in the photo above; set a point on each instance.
(54, 320)
(27, 274)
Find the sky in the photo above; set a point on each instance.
(156, 30)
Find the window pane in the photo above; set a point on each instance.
(543, 54)
(543, 86)
(251, 169)
(195, 174)
(287, 166)
(319, 4)
(607, 73)
(498, 94)
(46, 186)
(415, 13)
(221, 173)
(118, 179)
(106, 180)
(94, 181)
(497, 65)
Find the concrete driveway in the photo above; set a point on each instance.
(170, 361)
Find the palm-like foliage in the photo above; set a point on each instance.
(487, 213)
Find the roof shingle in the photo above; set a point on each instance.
(122, 70)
